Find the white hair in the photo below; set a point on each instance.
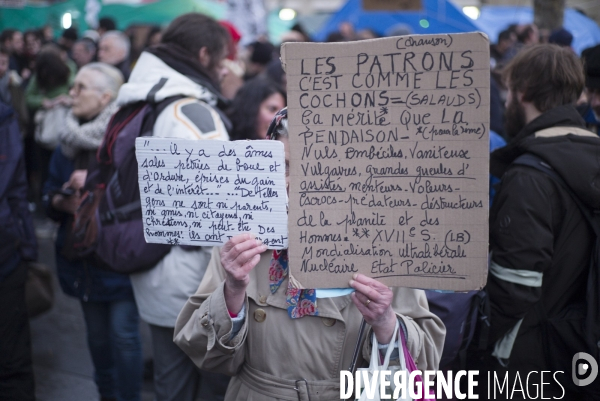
(111, 77)
(121, 40)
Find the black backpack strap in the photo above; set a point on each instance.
(157, 108)
(121, 213)
(357, 347)
(482, 303)
(533, 161)
(127, 211)
(469, 329)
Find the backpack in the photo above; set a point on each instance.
(108, 225)
(465, 315)
(461, 313)
(577, 328)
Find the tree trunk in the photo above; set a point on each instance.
(549, 14)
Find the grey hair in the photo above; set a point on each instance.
(111, 77)
(121, 39)
(282, 130)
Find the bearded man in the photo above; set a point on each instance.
(540, 241)
(591, 109)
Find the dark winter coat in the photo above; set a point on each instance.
(539, 240)
(17, 235)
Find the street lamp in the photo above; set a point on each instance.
(471, 12)
(287, 14)
(67, 20)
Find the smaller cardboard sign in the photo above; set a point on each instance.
(204, 192)
(392, 5)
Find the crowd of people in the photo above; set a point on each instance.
(213, 313)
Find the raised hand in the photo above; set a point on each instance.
(77, 180)
(239, 256)
(374, 300)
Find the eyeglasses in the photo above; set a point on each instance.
(77, 88)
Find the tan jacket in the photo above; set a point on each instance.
(274, 355)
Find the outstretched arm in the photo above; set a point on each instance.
(204, 328)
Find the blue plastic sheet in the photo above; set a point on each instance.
(494, 19)
(441, 16)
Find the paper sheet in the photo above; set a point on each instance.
(204, 192)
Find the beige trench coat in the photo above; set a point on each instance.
(274, 357)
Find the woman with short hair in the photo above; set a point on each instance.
(282, 343)
(106, 298)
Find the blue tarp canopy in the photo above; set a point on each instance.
(441, 16)
(494, 19)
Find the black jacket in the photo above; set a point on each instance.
(125, 68)
(539, 240)
(17, 235)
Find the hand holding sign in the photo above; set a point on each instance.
(239, 256)
(374, 300)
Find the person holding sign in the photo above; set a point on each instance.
(109, 308)
(180, 78)
(277, 341)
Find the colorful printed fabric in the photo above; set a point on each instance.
(299, 302)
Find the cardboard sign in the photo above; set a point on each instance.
(392, 5)
(389, 161)
(204, 192)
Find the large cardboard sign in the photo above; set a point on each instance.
(204, 192)
(389, 161)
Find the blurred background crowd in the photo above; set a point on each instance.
(53, 53)
(38, 64)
